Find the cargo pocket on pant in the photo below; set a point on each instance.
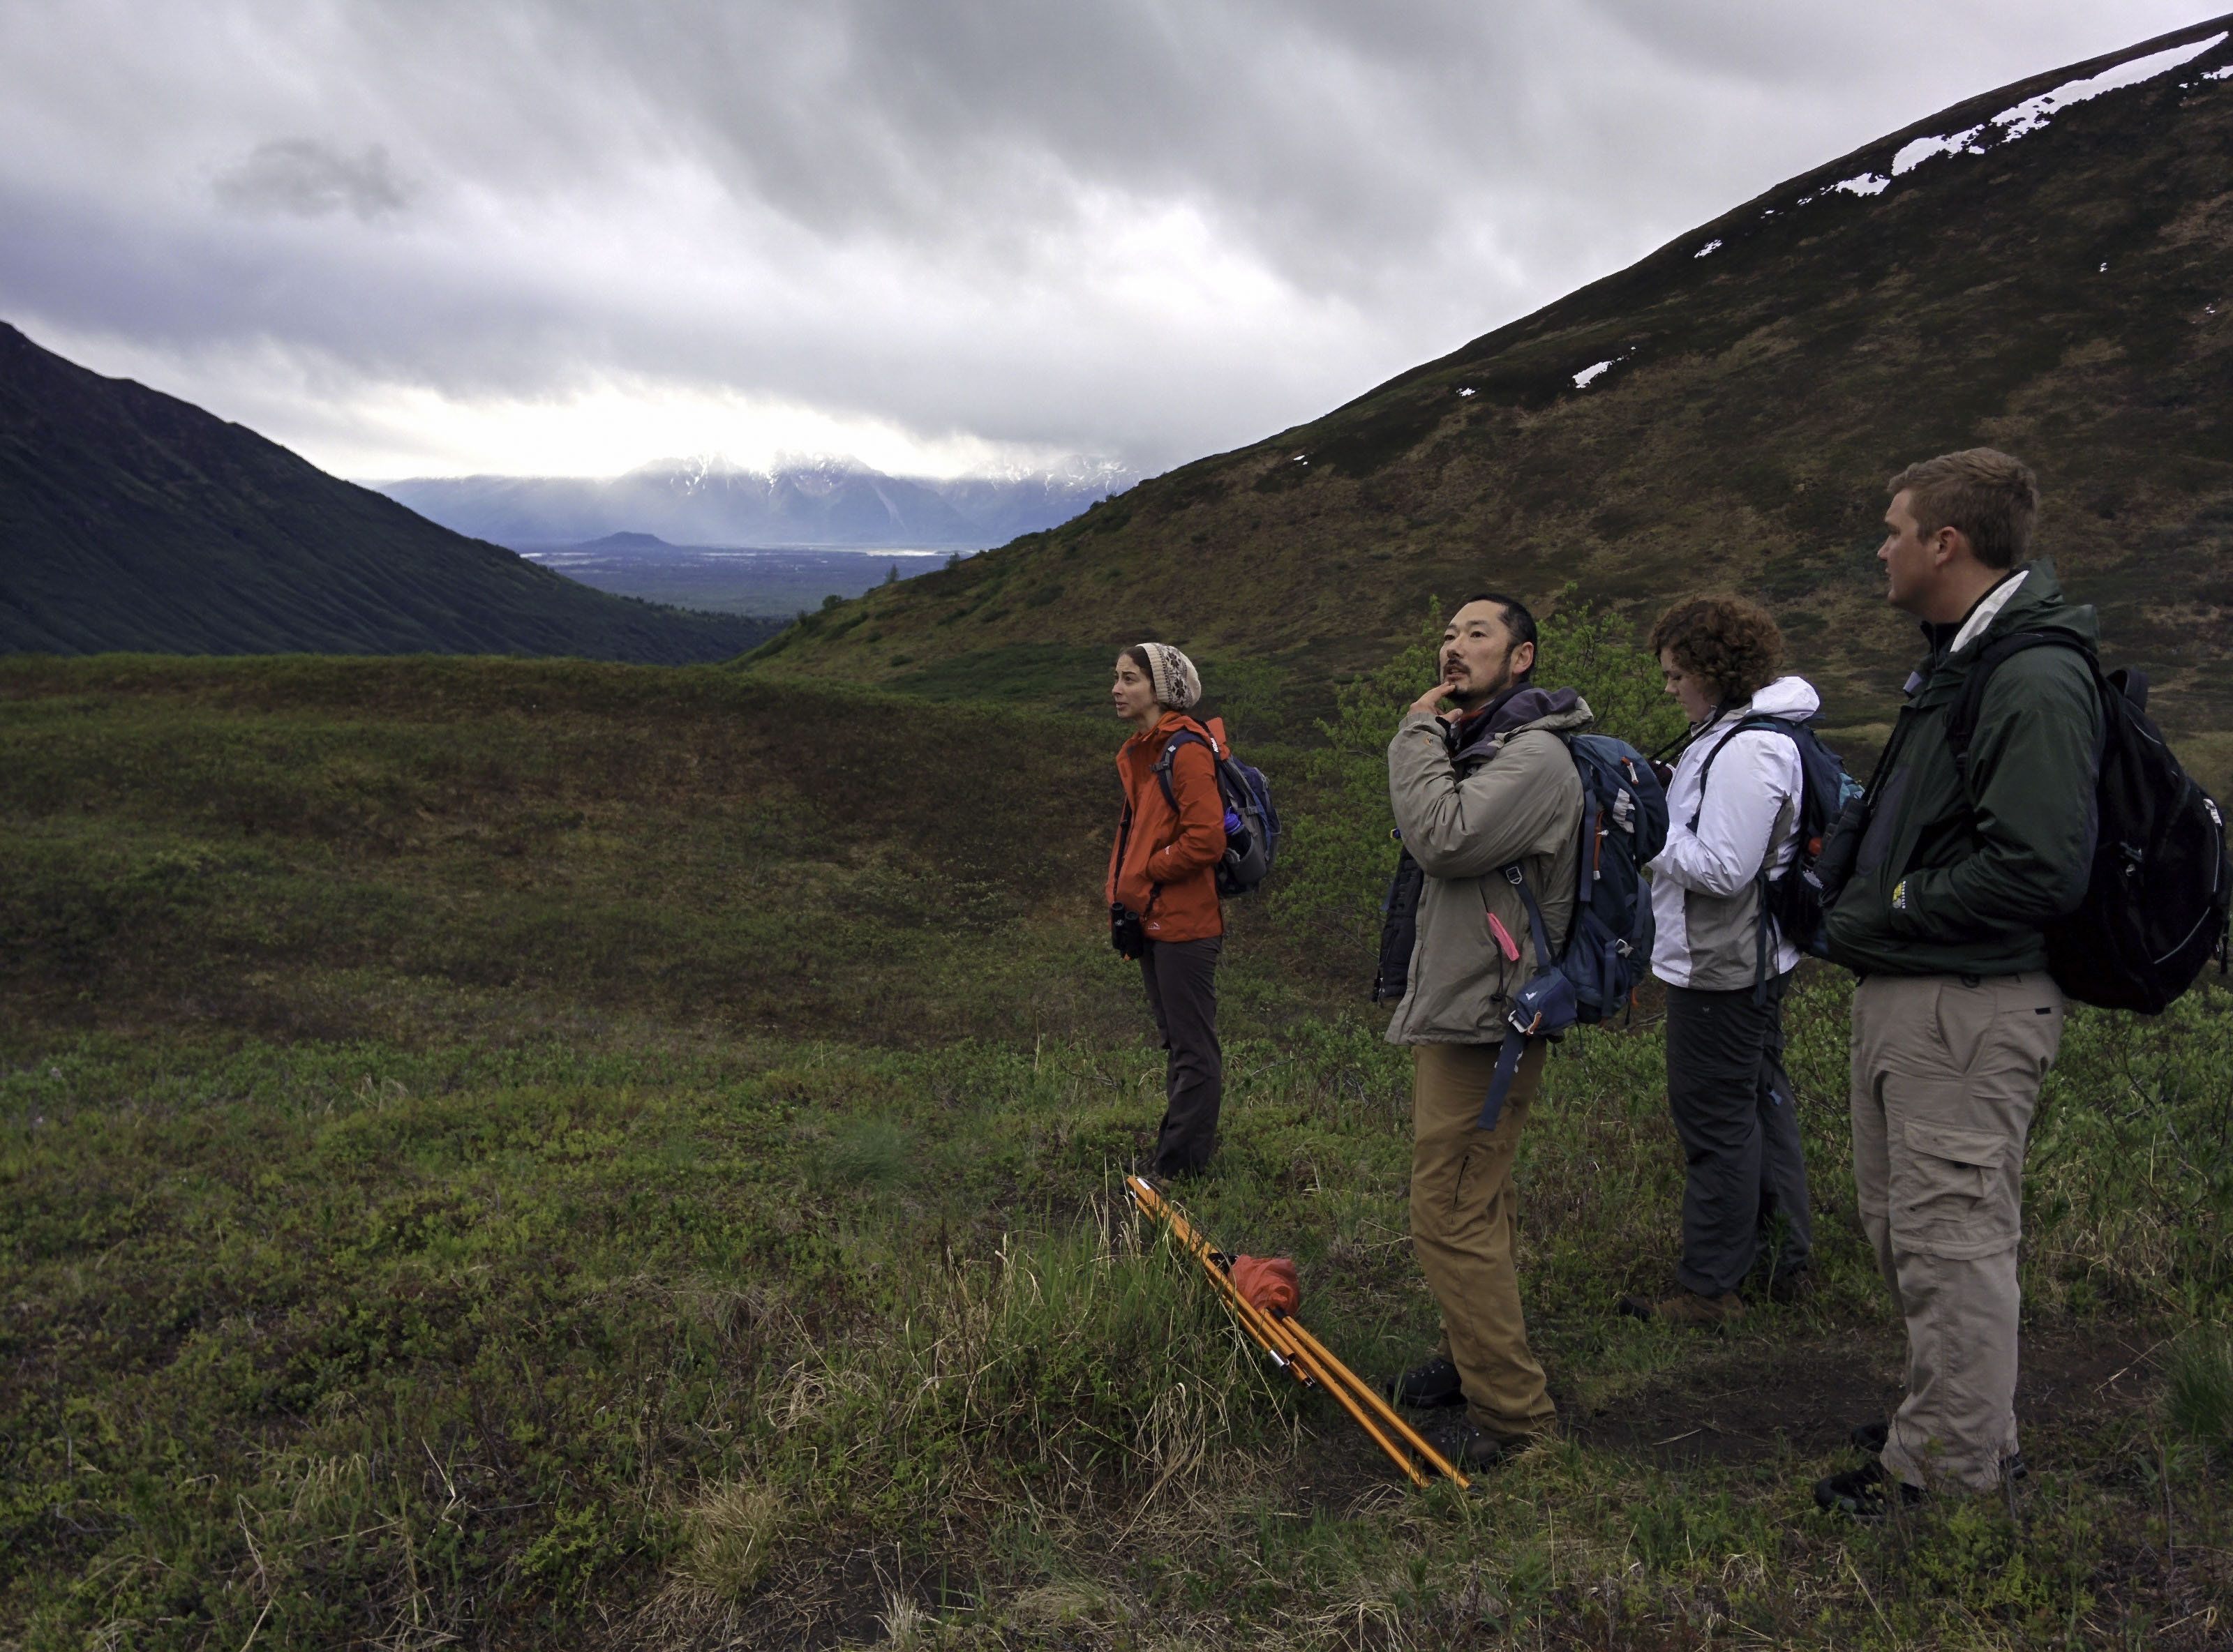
(1954, 1197)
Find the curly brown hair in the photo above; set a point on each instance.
(1730, 644)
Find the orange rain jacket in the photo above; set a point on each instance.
(1168, 875)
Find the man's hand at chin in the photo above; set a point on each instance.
(1431, 701)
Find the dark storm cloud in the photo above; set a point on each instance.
(304, 178)
(1149, 227)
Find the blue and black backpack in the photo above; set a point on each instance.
(1609, 941)
(1252, 825)
(1794, 903)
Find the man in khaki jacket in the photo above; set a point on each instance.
(1490, 787)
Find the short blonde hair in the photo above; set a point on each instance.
(1991, 497)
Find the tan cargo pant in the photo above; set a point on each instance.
(1465, 1227)
(1946, 1072)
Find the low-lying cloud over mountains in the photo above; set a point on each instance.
(539, 237)
(708, 501)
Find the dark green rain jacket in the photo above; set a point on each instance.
(1955, 878)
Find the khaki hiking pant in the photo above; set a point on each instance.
(1465, 1227)
(1946, 1072)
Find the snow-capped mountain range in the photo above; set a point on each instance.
(815, 500)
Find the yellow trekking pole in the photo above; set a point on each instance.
(1290, 1343)
(1342, 1374)
(1253, 1319)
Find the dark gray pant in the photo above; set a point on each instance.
(1182, 977)
(1732, 1104)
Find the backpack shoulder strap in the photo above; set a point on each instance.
(1169, 755)
(1545, 959)
(1962, 716)
(1747, 724)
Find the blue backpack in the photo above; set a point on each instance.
(1252, 825)
(1609, 942)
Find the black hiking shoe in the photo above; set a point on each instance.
(1425, 1386)
(1864, 1493)
(1469, 1447)
(1871, 1437)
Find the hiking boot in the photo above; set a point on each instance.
(1427, 1386)
(1871, 1437)
(1794, 1285)
(1864, 1493)
(1687, 1308)
(1468, 1446)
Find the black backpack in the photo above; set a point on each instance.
(2157, 896)
(1252, 825)
(1793, 902)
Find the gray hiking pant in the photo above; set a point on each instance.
(1745, 1181)
(1181, 980)
(1946, 1072)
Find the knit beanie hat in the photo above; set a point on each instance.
(1177, 684)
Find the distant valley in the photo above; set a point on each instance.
(765, 583)
(817, 503)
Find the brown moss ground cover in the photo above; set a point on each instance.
(374, 1305)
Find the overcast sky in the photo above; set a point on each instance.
(567, 236)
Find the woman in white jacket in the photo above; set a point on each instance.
(1733, 813)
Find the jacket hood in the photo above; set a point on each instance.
(1170, 723)
(1560, 710)
(1793, 698)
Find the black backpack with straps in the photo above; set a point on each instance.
(2160, 890)
(1793, 902)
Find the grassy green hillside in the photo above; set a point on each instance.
(539, 1154)
(336, 847)
(2065, 294)
(132, 520)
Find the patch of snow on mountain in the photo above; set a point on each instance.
(2030, 115)
(1708, 247)
(2034, 113)
(1582, 379)
(1913, 155)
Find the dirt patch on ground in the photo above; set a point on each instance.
(1743, 1402)
(834, 1598)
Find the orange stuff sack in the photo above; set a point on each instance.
(1268, 1283)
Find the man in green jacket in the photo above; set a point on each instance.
(1956, 1018)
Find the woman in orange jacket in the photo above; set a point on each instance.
(1162, 891)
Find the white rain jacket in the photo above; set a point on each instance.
(1705, 906)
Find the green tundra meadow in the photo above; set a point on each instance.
(523, 1154)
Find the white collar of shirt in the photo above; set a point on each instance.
(1984, 613)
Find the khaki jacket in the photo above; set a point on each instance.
(1470, 799)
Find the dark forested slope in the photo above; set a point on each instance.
(2057, 281)
(130, 520)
